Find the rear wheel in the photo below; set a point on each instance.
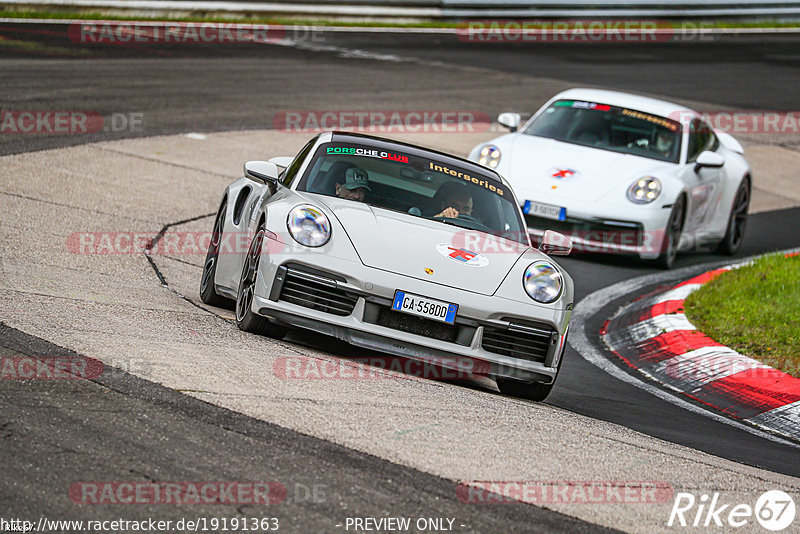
(737, 221)
(208, 292)
(672, 235)
(245, 318)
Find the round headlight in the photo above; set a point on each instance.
(309, 226)
(644, 190)
(489, 156)
(543, 282)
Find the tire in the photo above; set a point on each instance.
(245, 318)
(535, 391)
(737, 221)
(672, 235)
(208, 293)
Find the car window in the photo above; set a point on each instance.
(701, 137)
(417, 186)
(611, 128)
(291, 170)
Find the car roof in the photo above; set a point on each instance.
(416, 150)
(655, 106)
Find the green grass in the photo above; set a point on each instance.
(78, 14)
(233, 18)
(39, 48)
(755, 310)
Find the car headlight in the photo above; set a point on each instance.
(309, 226)
(644, 190)
(543, 282)
(489, 156)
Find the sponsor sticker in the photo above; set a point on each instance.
(366, 152)
(486, 184)
(563, 174)
(462, 255)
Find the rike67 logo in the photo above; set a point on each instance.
(774, 510)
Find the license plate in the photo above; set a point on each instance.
(424, 307)
(547, 211)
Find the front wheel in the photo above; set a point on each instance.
(245, 318)
(737, 221)
(535, 391)
(672, 235)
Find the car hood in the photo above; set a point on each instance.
(412, 246)
(538, 167)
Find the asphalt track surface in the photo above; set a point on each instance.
(204, 88)
(120, 427)
(218, 87)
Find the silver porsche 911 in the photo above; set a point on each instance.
(395, 248)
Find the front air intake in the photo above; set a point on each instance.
(316, 292)
(523, 342)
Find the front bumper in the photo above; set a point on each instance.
(594, 229)
(371, 324)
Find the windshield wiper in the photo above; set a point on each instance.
(446, 220)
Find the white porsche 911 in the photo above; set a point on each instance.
(395, 248)
(621, 173)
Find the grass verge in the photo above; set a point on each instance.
(45, 15)
(754, 310)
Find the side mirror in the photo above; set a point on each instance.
(709, 159)
(555, 244)
(510, 120)
(262, 171)
(282, 161)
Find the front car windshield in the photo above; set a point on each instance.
(417, 185)
(609, 128)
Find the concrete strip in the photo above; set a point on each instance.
(776, 184)
(112, 307)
